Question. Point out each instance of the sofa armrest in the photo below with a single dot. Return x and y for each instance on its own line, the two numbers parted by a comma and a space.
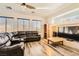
14, 50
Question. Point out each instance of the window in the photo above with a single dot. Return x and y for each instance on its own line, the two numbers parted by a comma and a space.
2, 24
6, 24
14, 25
23, 24
36, 25
39, 26
20, 25
66, 30
61, 29
26, 25
10, 24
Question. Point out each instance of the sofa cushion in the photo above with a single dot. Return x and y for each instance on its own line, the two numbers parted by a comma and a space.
4, 40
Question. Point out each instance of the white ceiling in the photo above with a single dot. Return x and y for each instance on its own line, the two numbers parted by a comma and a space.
42, 9
45, 5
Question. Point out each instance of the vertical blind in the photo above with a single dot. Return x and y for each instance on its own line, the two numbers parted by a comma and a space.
23, 24
2, 24
36, 25
9, 24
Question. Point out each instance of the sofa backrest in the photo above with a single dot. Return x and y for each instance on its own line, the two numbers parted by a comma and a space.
31, 33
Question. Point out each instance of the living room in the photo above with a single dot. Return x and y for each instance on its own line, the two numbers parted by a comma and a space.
29, 27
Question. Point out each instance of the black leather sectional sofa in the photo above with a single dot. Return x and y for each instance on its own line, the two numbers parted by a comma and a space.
73, 37
6, 48
28, 36
11, 42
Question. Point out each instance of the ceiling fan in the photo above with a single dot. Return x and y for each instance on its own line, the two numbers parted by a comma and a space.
28, 6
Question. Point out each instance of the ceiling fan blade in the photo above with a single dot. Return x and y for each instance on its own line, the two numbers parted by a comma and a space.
31, 7
23, 4
28, 6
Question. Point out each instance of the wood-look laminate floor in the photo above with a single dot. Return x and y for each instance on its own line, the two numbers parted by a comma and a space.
41, 49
